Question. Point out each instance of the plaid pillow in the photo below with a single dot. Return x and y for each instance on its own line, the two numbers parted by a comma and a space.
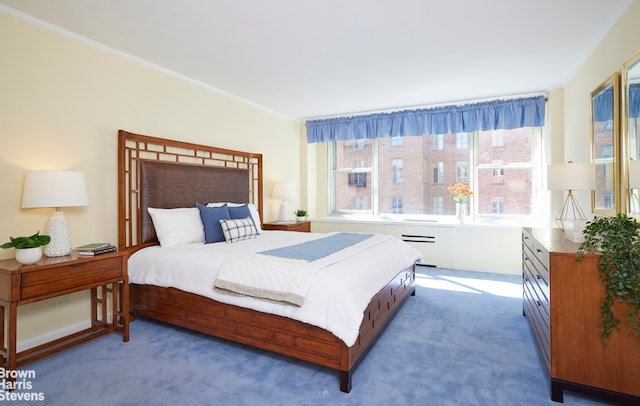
238, 229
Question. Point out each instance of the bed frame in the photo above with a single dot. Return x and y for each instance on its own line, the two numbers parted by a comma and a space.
156, 172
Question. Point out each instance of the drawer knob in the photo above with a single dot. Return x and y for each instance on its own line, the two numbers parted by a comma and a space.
77, 264
538, 303
538, 276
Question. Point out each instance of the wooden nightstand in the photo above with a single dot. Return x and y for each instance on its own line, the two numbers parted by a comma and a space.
105, 275
302, 226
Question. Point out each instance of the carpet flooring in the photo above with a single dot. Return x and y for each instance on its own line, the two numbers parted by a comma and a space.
462, 340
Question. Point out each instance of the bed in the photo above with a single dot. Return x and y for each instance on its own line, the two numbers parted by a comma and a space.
166, 174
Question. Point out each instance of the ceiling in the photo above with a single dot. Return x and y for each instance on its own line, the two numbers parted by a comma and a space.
312, 59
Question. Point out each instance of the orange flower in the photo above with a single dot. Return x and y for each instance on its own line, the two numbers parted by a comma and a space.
460, 192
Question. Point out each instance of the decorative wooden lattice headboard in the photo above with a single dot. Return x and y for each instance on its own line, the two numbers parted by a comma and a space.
157, 172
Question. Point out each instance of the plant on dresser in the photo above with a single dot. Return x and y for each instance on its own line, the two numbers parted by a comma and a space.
617, 240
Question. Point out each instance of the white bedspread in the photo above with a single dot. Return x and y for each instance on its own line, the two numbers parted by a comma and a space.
337, 297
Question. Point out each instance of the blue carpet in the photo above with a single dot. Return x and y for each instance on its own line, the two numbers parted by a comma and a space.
462, 340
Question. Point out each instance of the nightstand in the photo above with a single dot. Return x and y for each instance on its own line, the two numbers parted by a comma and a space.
105, 275
301, 226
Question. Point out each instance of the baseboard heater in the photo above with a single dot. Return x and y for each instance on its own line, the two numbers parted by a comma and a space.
427, 239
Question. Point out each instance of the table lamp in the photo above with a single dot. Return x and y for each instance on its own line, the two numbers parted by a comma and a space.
284, 191
55, 189
570, 176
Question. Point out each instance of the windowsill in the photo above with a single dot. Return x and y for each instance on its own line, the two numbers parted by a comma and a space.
445, 221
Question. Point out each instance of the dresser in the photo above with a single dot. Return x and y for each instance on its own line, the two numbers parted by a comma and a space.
561, 300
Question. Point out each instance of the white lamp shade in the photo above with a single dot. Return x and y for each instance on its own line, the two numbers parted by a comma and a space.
284, 190
54, 189
571, 176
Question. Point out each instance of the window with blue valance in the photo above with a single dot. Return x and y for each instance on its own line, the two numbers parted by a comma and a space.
492, 115
603, 105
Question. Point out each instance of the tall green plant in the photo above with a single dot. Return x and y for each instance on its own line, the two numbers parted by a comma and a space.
617, 240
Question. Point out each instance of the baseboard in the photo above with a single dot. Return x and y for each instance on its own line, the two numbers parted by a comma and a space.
54, 335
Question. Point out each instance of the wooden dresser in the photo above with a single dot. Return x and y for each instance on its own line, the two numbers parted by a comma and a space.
562, 300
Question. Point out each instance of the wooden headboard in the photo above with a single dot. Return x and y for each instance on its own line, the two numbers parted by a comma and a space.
162, 173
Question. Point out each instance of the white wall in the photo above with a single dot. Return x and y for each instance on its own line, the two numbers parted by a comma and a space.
61, 106
617, 46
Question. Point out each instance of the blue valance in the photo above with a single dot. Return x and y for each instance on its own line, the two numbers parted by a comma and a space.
603, 105
497, 114
634, 100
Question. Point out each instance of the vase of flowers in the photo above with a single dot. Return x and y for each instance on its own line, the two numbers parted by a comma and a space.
460, 194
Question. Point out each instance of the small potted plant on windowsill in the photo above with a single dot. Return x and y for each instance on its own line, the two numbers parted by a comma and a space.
28, 249
301, 215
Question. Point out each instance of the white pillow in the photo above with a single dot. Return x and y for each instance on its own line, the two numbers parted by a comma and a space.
252, 209
238, 229
177, 226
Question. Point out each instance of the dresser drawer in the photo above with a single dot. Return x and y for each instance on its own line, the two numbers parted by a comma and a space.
538, 257
539, 321
74, 276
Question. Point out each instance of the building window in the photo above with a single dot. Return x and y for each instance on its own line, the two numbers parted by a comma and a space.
498, 175
438, 173
358, 203
438, 142
497, 138
462, 171
396, 141
462, 140
397, 172
358, 145
438, 205
396, 205
497, 205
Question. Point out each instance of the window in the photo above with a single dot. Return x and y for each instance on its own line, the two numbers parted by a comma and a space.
497, 138
358, 203
498, 175
358, 179
462, 172
396, 205
397, 173
438, 173
396, 141
438, 205
504, 180
497, 205
462, 140
358, 145
438, 142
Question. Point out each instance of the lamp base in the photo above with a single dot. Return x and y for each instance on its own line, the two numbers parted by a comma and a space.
570, 212
58, 230
284, 212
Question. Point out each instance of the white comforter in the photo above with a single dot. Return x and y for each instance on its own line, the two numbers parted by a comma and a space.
335, 301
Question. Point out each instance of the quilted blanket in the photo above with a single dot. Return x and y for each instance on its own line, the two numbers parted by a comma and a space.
285, 274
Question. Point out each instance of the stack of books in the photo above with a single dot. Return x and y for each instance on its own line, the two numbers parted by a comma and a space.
97, 248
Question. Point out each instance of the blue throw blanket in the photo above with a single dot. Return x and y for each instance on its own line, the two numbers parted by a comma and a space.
312, 250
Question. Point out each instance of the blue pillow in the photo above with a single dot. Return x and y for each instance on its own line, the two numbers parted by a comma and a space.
241, 212
211, 217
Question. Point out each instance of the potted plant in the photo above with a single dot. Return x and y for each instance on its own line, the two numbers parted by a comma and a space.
28, 249
617, 240
301, 215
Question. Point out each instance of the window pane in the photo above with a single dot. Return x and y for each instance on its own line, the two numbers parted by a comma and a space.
401, 175
353, 191
513, 193
508, 147
347, 155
